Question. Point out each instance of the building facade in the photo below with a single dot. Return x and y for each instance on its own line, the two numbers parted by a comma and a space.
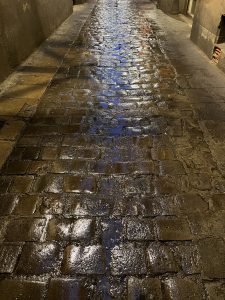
24, 25
208, 29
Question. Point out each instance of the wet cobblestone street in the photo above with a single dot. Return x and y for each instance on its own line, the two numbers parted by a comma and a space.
112, 191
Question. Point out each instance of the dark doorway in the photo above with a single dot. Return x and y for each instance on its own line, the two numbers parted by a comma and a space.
2, 123
221, 33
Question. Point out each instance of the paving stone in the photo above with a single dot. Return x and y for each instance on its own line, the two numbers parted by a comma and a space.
78, 166
51, 141
112, 235
17, 154
3, 225
24, 229
191, 203
38, 167
147, 167
48, 183
78, 184
26, 205
90, 206
171, 168
52, 204
10, 132
147, 288
68, 166
7, 203
167, 186
88, 153
82, 229
38, 259
29, 141
176, 229
60, 167
201, 181
144, 141
24, 91
218, 202
207, 224
21, 184
111, 287
49, 153
128, 260
64, 289
182, 289
159, 206
212, 253
5, 182
59, 229
215, 290
8, 257
129, 206
16, 167
22, 289
140, 229
68, 153
31, 153
189, 257
161, 259
84, 260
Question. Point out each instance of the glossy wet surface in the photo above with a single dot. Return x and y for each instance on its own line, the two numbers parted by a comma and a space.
112, 191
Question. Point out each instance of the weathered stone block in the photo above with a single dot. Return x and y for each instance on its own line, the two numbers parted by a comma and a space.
139, 229
212, 251
147, 288
8, 257
78, 184
63, 289
176, 229
38, 259
22, 289
84, 260
127, 259
24, 229
162, 259
183, 289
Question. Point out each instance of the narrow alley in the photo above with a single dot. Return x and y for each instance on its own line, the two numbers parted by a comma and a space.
112, 190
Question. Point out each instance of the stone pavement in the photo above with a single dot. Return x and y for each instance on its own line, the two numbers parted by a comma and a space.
112, 191
21, 92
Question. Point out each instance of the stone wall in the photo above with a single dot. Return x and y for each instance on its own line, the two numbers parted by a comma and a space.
24, 24
205, 25
173, 6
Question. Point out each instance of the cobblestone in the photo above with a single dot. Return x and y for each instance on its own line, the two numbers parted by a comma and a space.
147, 288
173, 229
38, 258
114, 190
22, 289
84, 260
8, 257
24, 229
61, 288
162, 259
127, 260
177, 288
